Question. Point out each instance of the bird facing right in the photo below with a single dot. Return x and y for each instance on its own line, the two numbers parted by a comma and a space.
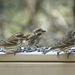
65, 43
34, 37
11, 44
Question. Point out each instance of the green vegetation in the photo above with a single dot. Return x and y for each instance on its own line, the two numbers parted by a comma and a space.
56, 16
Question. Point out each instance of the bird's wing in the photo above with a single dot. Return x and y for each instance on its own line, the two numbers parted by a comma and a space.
7, 43
32, 36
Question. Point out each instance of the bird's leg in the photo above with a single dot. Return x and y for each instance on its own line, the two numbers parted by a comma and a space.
58, 53
68, 54
15, 53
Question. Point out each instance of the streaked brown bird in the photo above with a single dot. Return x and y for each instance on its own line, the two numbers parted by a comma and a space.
64, 44
11, 44
34, 37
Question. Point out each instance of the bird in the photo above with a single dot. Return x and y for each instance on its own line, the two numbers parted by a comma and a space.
11, 44
65, 43
34, 37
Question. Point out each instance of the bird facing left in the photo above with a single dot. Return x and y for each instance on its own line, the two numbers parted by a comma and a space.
11, 44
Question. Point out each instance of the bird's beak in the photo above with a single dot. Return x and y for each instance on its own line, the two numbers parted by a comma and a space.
43, 30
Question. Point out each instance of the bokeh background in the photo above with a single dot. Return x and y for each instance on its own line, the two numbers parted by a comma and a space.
55, 16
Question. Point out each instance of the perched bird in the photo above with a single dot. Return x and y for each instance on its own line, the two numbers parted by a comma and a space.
11, 44
34, 37
65, 43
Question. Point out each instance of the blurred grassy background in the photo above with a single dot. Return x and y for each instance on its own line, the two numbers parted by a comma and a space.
55, 16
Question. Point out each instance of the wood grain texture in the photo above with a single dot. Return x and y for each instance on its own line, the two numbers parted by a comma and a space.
36, 57
37, 68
